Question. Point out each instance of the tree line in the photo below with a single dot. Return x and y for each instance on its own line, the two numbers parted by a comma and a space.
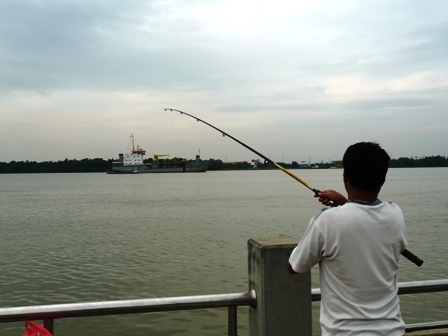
65, 166
101, 165
427, 161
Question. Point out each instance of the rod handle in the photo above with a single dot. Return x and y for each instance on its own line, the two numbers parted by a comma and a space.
412, 257
333, 203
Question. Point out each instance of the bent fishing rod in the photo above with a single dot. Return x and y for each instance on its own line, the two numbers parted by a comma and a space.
407, 254
266, 159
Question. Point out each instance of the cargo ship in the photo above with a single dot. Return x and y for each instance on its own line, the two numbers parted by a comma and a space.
133, 163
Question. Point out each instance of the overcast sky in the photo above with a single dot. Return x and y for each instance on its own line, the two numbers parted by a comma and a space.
295, 80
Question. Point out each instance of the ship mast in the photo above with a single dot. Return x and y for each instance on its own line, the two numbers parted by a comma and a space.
132, 137
138, 149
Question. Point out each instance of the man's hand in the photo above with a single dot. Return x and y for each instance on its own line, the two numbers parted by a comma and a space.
328, 196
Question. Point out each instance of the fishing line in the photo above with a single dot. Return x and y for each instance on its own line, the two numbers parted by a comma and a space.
407, 254
177, 138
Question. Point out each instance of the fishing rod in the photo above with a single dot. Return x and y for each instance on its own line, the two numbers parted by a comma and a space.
266, 159
407, 254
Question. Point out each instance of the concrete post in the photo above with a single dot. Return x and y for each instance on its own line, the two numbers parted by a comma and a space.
283, 300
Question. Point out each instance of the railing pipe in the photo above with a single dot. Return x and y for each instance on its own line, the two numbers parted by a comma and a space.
428, 286
232, 321
426, 326
44, 312
49, 325
412, 287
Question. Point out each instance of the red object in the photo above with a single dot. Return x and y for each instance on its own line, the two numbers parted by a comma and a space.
35, 329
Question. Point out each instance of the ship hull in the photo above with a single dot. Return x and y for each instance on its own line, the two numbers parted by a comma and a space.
127, 171
142, 169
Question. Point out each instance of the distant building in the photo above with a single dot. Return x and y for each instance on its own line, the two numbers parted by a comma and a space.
338, 164
304, 164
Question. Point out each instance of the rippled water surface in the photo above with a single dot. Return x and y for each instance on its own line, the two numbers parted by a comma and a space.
68, 238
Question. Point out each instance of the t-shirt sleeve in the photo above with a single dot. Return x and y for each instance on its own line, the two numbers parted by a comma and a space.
309, 250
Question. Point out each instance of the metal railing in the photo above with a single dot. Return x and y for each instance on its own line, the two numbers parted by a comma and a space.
48, 313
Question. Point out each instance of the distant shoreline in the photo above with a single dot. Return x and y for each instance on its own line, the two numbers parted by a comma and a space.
100, 165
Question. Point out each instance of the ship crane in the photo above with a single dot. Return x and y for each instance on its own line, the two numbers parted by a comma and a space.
156, 157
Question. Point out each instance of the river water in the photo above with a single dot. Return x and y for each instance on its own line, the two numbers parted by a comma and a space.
68, 238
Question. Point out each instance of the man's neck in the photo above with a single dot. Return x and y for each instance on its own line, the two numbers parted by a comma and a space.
361, 195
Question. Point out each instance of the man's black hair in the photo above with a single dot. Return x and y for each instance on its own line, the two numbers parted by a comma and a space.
366, 165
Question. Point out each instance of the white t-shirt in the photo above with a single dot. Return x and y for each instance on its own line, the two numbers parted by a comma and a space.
357, 248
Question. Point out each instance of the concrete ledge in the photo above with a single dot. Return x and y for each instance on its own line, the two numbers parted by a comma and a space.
283, 300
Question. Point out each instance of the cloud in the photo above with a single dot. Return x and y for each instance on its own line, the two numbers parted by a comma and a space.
77, 77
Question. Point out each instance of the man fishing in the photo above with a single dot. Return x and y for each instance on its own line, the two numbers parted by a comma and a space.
327, 201
357, 246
